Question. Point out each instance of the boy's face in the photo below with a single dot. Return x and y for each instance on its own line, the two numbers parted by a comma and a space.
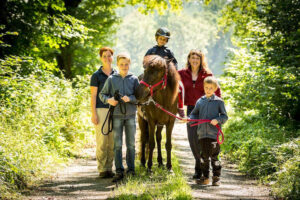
106, 58
123, 65
209, 89
161, 40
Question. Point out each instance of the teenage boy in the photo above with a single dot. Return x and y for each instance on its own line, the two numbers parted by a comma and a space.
209, 107
123, 84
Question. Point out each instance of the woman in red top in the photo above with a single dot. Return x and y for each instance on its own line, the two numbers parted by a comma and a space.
192, 77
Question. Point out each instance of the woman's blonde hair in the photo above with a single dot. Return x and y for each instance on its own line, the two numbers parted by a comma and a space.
203, 64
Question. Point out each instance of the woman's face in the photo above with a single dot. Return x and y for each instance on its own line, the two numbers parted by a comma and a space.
106, 58
195, 61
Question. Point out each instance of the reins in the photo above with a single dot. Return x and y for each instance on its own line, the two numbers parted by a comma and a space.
197, 121
163, 81
110, 112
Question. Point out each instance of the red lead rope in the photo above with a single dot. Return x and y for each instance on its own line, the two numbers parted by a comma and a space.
198, 121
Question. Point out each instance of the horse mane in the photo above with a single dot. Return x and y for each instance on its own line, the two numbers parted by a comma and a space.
173, 77
173, 80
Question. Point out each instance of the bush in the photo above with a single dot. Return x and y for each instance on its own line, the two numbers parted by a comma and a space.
44, 120
286, 180
265, 150
253, 84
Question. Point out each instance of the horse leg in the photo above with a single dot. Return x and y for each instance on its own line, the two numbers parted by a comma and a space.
151, 144
169, 129
143, 124
158, 142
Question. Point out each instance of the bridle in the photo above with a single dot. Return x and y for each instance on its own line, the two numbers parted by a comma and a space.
162, 82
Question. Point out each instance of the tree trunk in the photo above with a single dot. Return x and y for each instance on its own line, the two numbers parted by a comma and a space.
65, 60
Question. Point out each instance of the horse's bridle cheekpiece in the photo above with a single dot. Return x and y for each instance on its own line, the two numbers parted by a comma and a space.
163, 81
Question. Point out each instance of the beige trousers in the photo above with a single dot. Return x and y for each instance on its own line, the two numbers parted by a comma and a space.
105, 143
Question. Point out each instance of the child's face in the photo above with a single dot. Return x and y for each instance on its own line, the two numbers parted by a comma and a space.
106, 58
161, 40
209, 89
123, 65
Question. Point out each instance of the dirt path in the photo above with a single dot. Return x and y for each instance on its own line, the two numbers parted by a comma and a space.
77, 181
233, 184
80, 180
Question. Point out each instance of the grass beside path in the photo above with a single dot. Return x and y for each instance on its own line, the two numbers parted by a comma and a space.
161, 184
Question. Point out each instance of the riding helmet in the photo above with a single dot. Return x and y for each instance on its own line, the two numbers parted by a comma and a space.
163, 32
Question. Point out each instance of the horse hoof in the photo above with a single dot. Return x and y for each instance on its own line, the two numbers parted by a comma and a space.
149, 171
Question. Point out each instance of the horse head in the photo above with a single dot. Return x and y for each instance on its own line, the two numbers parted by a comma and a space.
153, 79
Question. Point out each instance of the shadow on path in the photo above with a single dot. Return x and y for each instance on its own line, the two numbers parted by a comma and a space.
77, 181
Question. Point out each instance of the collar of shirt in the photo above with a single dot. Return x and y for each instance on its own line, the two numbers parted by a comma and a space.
112, 70
210, 98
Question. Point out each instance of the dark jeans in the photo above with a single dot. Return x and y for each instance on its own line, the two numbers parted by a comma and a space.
210, 149
194, 142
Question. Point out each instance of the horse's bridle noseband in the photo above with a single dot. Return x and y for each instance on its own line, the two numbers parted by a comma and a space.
163, 81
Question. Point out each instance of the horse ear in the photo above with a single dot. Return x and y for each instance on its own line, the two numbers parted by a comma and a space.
140, 77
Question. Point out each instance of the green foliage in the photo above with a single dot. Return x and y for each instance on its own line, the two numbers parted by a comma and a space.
66, 34
136, 34
272, 27
146, 6
262, 83
252, 84
266, 67
288, 184
43, 122
265, 150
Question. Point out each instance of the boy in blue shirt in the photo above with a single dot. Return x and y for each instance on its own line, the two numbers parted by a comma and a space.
124, 113
209, 107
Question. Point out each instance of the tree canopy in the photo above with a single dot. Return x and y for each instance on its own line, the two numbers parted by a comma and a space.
64, 34
264, 72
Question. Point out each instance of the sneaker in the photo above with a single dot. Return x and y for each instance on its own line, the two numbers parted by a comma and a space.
196, 175
119, 176
181, 112
109, 174
216, 181
203, 181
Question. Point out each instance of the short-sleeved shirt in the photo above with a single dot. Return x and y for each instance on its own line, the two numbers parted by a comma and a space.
97, 80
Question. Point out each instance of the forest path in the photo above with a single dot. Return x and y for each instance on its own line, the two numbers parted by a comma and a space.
80, 180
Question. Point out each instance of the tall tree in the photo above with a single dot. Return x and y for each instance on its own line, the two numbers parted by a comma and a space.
265, 72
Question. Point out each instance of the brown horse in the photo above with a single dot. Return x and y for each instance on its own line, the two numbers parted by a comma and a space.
160, 82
